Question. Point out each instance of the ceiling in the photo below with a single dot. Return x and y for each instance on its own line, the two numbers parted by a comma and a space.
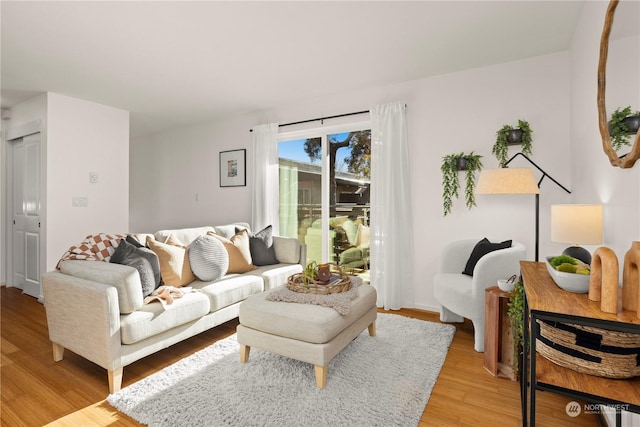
176, 63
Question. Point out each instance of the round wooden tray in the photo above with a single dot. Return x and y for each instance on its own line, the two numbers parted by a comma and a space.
339, 282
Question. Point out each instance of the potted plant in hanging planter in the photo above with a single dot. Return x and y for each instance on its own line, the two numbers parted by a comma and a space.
623, 123
509, 135
451, 165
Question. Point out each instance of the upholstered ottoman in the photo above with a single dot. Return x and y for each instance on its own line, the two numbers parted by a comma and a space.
305, 332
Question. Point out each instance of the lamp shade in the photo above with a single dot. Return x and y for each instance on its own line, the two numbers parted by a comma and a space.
576, 224
507, 181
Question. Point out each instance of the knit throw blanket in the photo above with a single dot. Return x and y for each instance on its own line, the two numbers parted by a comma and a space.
96, 247
340, 302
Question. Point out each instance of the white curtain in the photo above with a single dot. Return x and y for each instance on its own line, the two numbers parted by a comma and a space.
391, 219
264, 206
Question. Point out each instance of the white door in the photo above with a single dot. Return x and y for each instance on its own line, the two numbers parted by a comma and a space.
25, 189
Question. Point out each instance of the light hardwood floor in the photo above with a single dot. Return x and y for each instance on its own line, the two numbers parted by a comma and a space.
37, 391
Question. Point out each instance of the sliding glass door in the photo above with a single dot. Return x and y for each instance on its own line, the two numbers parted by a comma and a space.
325, 182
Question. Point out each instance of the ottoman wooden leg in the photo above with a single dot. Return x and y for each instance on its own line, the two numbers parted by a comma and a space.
244, 353
372, 329
321, 375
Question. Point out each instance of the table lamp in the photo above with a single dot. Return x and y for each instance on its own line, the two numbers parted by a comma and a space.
577, 224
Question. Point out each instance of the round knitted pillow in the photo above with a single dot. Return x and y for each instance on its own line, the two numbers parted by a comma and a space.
209, 258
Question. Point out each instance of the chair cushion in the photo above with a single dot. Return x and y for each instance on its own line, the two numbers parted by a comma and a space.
482, 248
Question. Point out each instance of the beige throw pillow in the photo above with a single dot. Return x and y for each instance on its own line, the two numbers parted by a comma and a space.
238, 249
174, 261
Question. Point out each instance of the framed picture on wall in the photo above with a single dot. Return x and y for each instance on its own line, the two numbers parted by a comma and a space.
233, 172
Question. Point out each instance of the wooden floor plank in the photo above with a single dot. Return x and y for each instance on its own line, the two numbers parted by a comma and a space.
37, 391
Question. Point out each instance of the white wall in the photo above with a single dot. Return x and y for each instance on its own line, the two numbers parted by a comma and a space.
169, 169
85, 137
446, 114
617, 189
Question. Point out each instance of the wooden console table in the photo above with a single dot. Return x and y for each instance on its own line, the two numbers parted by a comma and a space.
544, 300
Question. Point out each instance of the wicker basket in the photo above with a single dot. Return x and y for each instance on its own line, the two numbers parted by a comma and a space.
590, 350
340, 282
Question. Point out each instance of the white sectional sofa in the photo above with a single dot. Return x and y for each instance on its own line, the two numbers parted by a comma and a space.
95, 309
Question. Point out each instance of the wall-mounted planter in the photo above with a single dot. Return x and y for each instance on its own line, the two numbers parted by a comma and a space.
514, 137
451, 165
623, 123
510, 135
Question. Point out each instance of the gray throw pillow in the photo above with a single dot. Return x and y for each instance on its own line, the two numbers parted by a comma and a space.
209, 258
142, 259
261, 247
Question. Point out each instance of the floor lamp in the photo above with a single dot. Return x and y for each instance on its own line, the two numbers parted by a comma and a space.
515, 181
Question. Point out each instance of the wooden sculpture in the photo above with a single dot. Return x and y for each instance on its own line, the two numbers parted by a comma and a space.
631, 279
603, 284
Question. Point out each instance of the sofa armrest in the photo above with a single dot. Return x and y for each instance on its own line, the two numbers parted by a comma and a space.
289, 250
124, 278
83, 316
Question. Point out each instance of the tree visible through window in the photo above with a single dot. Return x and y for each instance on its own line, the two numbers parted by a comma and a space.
348, 180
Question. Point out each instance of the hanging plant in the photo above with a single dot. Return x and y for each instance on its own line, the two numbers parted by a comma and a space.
516, 315
451, 165
622, 124
509, 135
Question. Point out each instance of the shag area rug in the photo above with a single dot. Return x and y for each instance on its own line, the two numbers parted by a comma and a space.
384, 380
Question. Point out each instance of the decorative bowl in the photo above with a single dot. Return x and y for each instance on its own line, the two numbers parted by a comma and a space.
572, 282
505, 285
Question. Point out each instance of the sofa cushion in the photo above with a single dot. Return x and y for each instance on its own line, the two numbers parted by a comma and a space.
482, 248
152, 319
184, 235
229, 230
175, 268
208, 258
125, 279
238, 250
142, 259
230, 289
277, 274
261, 247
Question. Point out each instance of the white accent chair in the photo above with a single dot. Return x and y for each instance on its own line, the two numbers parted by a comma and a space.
462, 296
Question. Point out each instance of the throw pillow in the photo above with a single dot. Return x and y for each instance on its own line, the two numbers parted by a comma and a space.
132, 240
142, 259
175, 268
238, 251
209, 258
261, 247
482, 248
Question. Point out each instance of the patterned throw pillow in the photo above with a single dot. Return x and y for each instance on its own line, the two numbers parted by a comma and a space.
209, 258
